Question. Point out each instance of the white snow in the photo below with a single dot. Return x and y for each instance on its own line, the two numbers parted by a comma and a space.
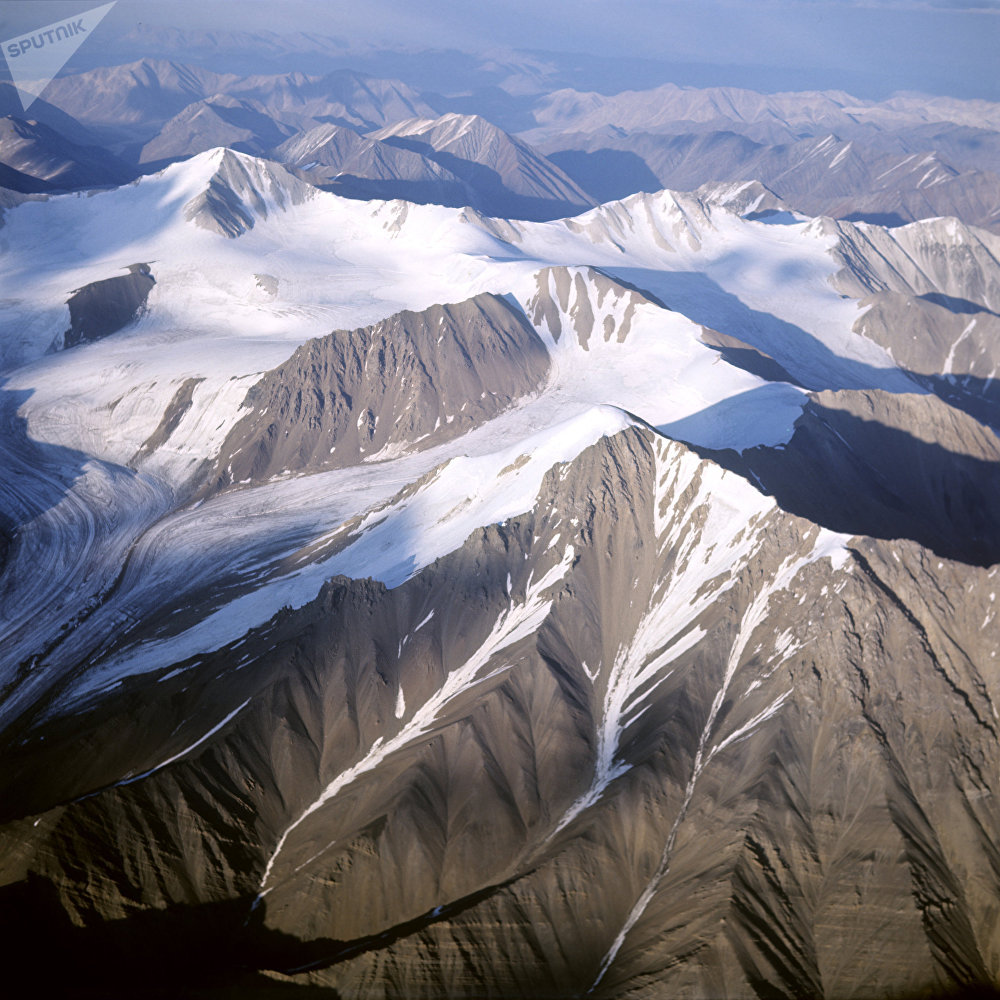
950, 360
841, 156
708, 745
342, 264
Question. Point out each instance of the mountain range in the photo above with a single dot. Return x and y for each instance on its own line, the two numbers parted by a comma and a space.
523, 152
495, 525
399, 600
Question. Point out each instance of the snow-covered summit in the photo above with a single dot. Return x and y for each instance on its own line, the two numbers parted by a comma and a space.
237, 189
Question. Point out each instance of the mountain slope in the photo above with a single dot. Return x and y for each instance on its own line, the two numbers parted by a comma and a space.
130, 104
342, 97
667, 667
711, 715
141, 93
660, 109
826, 153
343, 161
510, 177
203, 125
822, 175
40, 154
241, 190
426, 377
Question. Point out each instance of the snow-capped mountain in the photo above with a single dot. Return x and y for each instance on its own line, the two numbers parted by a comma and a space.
825, 153
516, 180
357, 165
455, 160
452, 605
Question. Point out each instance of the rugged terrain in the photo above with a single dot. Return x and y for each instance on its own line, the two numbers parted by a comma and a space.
398, 601
520, 146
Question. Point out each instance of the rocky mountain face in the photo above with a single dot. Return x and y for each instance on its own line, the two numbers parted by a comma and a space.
241, 190
822, 175
825, 153
508, 776
37, 158
118, 98
606, 607
866, 458
454, 160
219, 121
338, 159
660, 109
105, 307
46, 113
363, 395
142, 97
513, 179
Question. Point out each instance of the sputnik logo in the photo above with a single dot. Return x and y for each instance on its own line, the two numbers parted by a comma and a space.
35, 58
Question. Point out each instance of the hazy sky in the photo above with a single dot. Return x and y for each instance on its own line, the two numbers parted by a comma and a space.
938, 46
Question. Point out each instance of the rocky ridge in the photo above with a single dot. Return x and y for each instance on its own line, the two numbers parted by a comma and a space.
460, 676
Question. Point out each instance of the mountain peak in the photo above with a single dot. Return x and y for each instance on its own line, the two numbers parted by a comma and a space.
746, 199
440, 131
237, 189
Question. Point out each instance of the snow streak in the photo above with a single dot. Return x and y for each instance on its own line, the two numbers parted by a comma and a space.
752, 618
515, 623
667, 629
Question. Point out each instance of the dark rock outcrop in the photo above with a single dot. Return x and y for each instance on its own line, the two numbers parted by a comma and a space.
104, 307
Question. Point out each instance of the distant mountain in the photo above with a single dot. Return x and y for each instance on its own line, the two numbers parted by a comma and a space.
453, 160
344, 161
46, 113
872, 174
823, 152
50, 161
511, 177
662, 109
973, 197
133, 102
343, 97
218, 121
821, 176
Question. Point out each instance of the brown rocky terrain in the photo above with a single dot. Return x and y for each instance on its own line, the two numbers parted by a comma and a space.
656, 738
411, 381
413, 661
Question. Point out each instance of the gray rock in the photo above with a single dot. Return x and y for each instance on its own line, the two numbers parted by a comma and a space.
409, 382
796, 798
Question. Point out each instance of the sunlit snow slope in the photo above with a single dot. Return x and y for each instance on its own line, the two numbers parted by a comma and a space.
356, 503
249, 263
